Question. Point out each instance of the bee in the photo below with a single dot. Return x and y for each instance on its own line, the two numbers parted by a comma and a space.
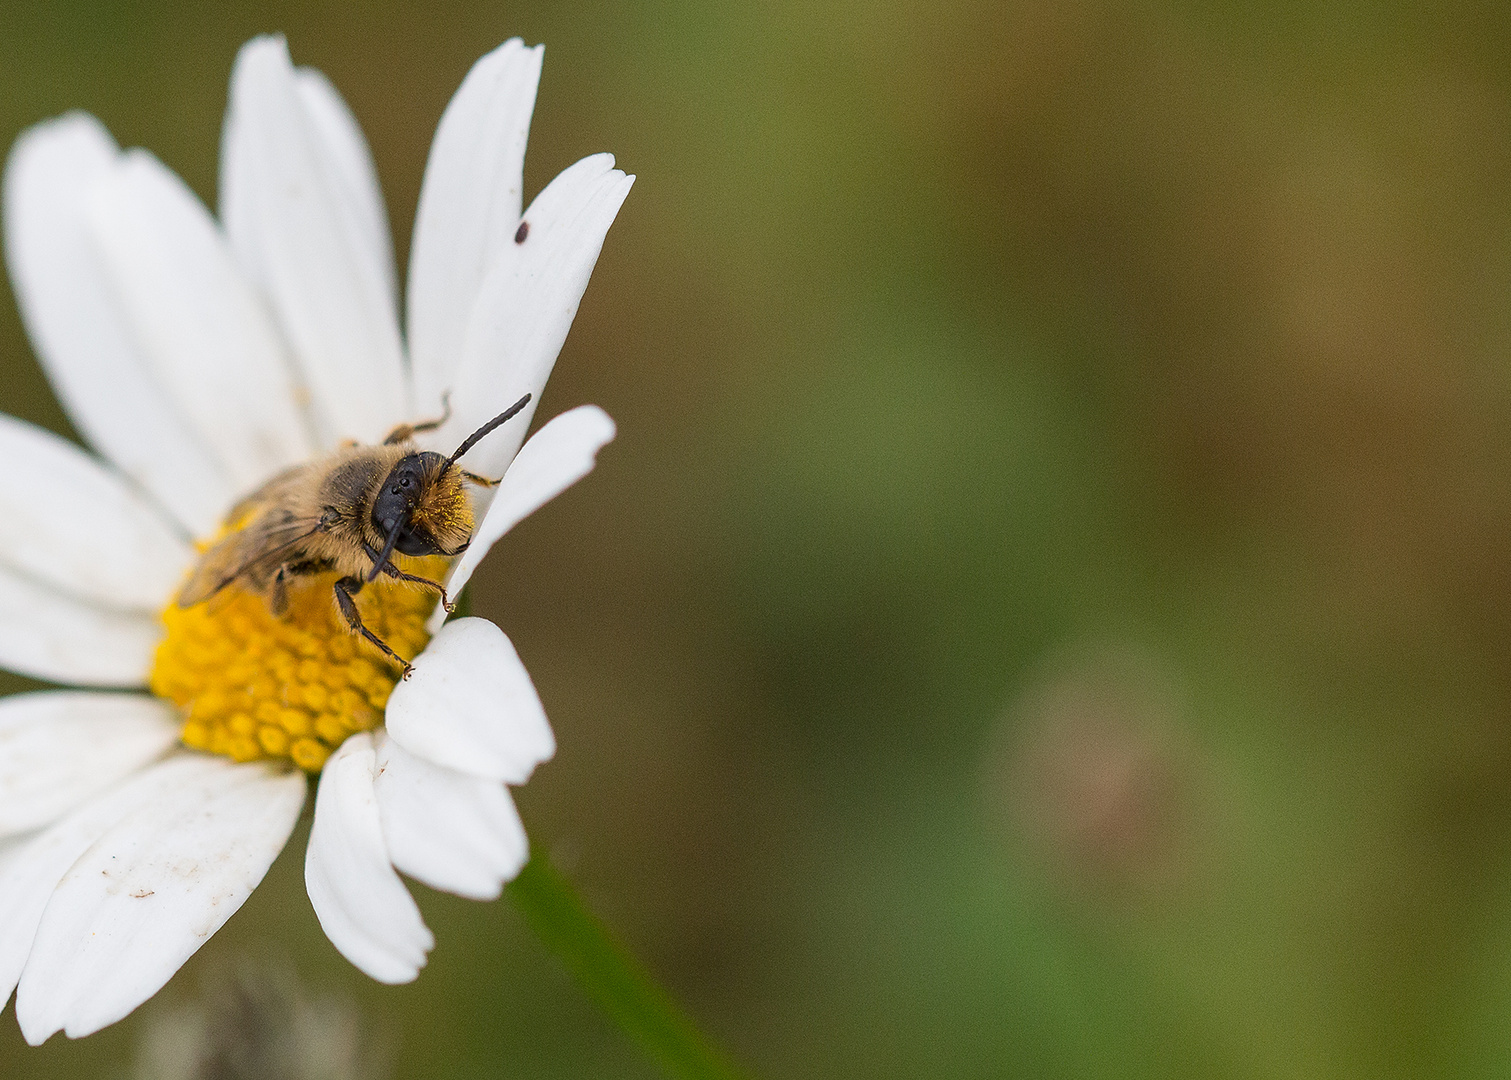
348, 513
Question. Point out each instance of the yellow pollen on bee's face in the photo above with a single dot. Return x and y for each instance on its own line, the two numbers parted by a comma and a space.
253, 686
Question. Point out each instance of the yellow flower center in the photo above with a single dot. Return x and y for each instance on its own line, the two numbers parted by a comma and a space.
252, 685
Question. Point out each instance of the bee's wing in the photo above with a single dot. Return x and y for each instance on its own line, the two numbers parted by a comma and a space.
259, 543
269, 494
262, 531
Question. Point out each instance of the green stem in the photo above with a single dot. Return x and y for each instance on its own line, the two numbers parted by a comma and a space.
614, 978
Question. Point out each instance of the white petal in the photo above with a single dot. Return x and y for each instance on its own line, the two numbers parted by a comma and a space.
28, 877
236, 203
469, 209
354, 172
362, 905
294, 224
10, 854
77, 331
470, 706
61, 747
49, 635
452, 831
556, 457
206, 336
525, 307
68, 521
149, 892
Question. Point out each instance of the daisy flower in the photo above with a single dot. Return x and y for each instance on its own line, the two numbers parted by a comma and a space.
198, 358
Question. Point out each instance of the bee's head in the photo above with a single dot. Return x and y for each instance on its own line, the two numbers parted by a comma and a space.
421, 508
422, 505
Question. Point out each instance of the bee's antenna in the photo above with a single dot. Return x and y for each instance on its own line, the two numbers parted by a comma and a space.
472, 440
388, 546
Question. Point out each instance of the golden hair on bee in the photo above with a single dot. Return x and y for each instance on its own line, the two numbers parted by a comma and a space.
348, 513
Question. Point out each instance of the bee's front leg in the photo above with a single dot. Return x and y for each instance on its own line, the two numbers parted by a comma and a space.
388, 569
481, 481
346, 589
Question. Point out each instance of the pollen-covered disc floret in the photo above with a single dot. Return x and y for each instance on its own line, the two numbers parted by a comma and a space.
253, 685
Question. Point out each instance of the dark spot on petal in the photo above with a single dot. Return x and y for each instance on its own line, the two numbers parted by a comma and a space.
521, 232
142, 894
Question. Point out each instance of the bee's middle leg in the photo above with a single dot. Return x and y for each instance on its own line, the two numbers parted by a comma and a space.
405, 432
346, 589
278, 598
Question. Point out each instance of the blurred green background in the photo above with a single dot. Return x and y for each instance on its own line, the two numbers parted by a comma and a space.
1046, 613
